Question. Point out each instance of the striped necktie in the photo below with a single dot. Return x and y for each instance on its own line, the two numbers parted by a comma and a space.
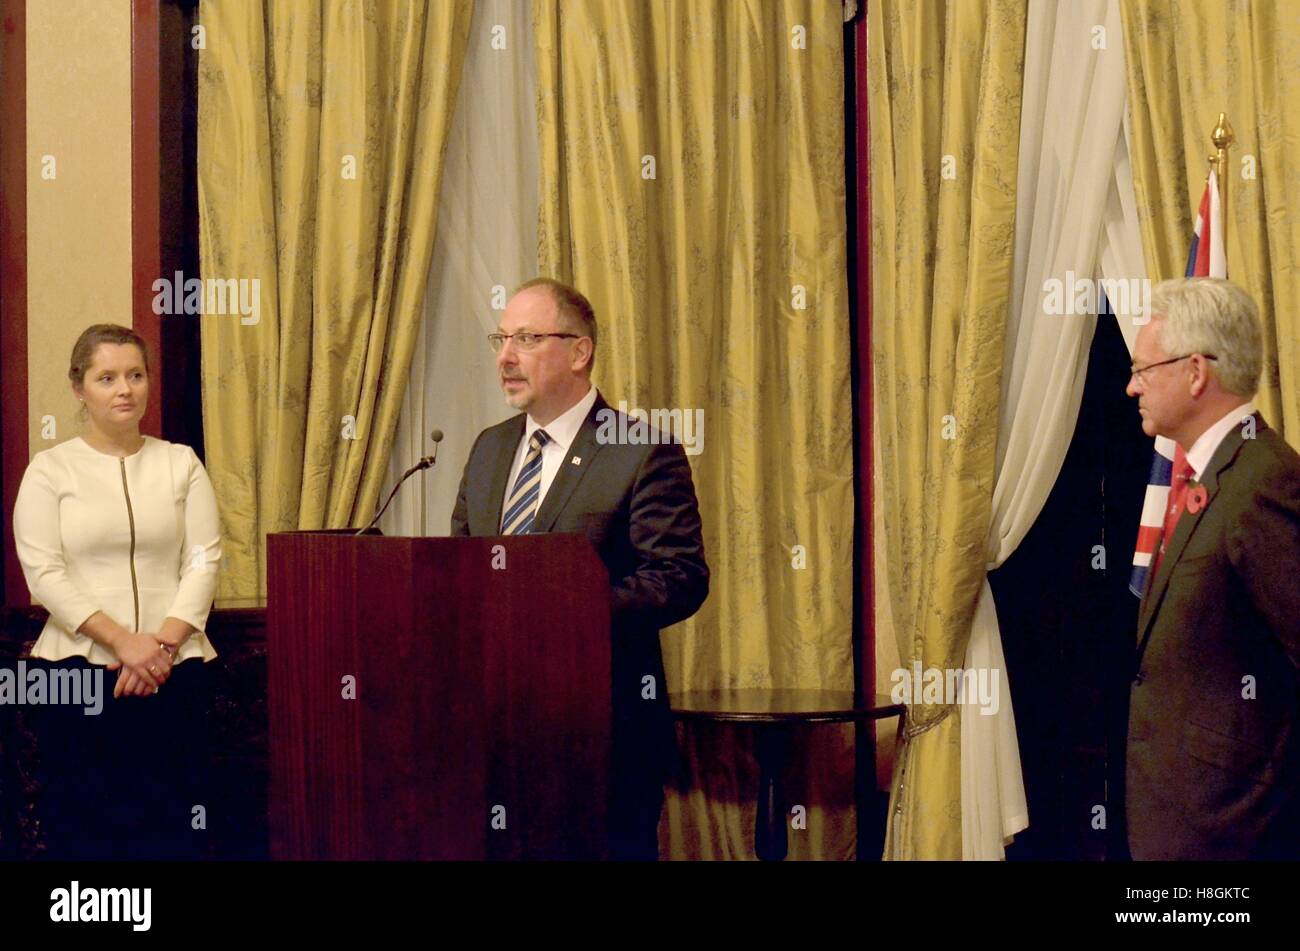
522, 507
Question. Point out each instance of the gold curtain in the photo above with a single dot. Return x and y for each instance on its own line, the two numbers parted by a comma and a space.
692, 185
1187, 62
320, 139
944, 89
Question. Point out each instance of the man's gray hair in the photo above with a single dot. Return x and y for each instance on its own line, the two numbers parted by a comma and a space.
1212, 316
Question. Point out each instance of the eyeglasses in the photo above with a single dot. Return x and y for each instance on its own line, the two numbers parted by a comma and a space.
1138, 371
523, 341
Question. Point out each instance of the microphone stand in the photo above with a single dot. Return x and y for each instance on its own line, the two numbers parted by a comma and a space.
426, 463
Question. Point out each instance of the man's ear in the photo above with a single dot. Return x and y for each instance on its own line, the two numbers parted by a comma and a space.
582, 351
1201, 379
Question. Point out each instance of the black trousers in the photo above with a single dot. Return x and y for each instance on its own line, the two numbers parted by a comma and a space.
641, 758
130, 782
634, 809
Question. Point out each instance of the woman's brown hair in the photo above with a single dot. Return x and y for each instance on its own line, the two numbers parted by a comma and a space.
83, 351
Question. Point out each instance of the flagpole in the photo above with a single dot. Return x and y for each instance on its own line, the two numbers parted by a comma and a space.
1222, 138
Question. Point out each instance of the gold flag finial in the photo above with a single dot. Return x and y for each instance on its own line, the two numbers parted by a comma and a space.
1222, 136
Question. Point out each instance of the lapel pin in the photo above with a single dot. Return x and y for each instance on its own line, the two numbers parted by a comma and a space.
1197, 498
576, 460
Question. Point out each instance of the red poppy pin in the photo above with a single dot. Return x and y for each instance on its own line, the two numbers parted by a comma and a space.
1197, 496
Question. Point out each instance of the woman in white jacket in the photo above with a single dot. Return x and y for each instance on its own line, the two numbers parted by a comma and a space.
119, 539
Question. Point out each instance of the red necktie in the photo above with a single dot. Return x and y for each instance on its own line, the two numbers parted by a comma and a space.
1177, 502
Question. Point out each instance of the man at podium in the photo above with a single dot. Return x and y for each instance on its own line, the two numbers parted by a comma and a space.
556, 468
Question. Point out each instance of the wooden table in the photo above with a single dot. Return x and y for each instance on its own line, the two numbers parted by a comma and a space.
774, 713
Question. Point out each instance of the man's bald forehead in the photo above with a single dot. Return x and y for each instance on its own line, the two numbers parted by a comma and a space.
536, 302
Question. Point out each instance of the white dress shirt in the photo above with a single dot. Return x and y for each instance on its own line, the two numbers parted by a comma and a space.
1202, 451
136, 537
562, 430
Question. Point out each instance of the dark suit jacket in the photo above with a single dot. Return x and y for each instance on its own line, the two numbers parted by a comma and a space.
1212, 774
637, 506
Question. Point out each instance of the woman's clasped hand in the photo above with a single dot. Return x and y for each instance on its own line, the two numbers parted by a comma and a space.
143, 665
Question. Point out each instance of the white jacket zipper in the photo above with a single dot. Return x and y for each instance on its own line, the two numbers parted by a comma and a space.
130, 517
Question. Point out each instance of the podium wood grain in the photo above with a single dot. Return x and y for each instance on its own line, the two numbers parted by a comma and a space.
482, 693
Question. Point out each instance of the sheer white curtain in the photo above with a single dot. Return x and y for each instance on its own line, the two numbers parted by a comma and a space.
486, 244
1121, 246
1075, 212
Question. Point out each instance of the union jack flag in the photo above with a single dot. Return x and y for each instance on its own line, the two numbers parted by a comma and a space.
1207, 258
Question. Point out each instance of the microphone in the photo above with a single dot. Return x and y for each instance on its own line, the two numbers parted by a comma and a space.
426, 463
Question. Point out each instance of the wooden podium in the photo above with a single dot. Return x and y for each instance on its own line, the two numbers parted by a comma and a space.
437, 698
